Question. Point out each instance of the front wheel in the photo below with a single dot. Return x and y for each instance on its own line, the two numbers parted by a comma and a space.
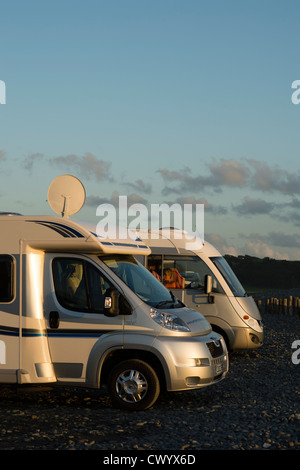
134, 385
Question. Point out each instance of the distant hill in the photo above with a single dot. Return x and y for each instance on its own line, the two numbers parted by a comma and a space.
257, 274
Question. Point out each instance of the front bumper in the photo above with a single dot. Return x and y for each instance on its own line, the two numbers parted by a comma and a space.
193, 362
246, 338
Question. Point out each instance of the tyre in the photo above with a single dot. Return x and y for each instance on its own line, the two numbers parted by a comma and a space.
133, 385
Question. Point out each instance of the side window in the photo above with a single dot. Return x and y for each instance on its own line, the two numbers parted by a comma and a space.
193, 270
181, 272
174, 273
6, 278
79, 285
164, 268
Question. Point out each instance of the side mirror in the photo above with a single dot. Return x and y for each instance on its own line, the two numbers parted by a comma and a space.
208, 288
115, 304
111, 303
208, 284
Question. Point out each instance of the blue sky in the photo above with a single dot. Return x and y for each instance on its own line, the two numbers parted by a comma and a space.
162, 101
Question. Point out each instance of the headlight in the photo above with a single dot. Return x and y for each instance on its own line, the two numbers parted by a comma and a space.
169, 320
253, 323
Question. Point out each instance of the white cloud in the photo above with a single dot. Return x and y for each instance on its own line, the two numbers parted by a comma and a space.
280, 239
269, 245
261, 249
221, 244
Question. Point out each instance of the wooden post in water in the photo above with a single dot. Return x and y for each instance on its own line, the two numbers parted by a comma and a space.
288, 306
285, 306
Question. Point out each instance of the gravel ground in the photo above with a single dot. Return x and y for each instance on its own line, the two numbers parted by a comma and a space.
257, 406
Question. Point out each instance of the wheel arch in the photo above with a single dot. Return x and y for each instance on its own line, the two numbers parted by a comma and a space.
119, 355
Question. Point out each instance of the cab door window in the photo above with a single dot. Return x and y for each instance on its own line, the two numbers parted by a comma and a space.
79, 285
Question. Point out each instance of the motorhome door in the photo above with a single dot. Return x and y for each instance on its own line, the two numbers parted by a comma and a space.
75, 292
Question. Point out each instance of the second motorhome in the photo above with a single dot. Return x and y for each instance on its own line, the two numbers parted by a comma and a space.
202, 279
78, 309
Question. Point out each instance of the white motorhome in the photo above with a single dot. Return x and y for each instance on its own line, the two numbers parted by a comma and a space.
202, 279
80, 310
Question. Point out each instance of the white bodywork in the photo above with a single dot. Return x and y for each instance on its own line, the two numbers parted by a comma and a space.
42, 340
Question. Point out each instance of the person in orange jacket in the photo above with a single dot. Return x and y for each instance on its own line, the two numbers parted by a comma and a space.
173, 279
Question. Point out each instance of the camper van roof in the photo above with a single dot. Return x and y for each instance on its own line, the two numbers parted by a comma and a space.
176, 241
9, 213
126, 242
169, 241
63, 234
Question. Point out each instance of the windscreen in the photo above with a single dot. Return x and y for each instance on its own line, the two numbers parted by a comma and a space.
229, 276
141, 281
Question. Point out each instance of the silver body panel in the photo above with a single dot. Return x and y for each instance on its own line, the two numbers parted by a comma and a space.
76, 350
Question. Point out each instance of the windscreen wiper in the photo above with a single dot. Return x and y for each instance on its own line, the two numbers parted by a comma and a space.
164, 302
174, 301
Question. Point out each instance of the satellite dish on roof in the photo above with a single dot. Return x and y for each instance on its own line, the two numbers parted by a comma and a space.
66, 195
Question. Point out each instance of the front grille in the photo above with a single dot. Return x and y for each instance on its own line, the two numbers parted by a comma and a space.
215, 348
